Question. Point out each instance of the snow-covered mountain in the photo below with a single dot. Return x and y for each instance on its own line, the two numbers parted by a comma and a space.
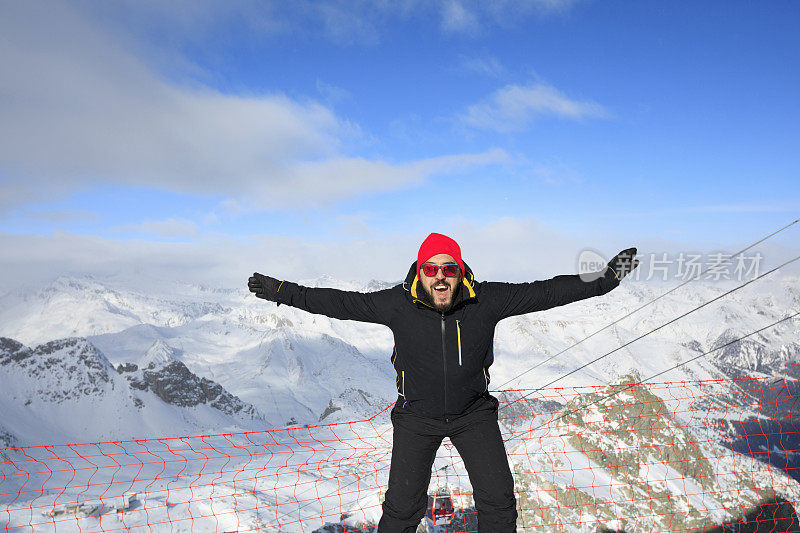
293, 367
66, 390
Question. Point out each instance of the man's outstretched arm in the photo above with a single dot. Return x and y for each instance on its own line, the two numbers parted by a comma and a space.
520, 298
345, 305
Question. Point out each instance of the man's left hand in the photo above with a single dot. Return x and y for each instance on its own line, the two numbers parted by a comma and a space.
263, 286
623, 264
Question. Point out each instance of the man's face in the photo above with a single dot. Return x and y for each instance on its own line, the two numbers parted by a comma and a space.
439, 288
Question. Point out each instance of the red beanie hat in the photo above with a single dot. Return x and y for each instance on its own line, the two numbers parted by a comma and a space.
436, 243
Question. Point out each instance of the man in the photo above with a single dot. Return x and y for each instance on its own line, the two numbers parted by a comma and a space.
443, 323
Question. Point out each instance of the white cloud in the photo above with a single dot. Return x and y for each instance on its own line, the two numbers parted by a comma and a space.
80, 108
456, 18
556, 174
471, 17
506, 249
343, 22
356, 225
346, 22
502, 9
485, 66
219, 260
311, 183
211, 219
514, 107
166, 229
332, 93
705, 209
60, 216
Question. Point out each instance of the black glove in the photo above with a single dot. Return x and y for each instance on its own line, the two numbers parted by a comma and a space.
623, 264
264, 286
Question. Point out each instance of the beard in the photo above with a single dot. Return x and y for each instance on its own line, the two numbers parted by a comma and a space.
427, 297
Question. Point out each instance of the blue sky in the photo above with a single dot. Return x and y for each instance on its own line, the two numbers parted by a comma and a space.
301, 136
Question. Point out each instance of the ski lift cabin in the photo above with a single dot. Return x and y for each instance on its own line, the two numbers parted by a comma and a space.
440, 509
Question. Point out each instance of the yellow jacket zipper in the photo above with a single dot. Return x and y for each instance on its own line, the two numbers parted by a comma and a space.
458, 330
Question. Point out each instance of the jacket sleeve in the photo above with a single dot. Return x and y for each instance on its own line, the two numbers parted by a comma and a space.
376, 307
519, 298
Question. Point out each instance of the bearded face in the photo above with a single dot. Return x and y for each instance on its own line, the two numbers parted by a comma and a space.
440, 291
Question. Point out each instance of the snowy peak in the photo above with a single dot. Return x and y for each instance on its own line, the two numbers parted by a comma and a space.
12, 351
352, 400
160, 354
333, 283
161, 373
756, 355
376, 285
62, 369
82, 307
175, 384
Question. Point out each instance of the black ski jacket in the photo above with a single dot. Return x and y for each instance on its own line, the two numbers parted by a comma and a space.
442, 359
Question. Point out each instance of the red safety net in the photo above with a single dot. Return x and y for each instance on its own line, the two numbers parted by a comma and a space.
677, 456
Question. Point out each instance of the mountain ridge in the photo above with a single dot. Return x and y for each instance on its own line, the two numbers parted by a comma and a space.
67, 390
294, 367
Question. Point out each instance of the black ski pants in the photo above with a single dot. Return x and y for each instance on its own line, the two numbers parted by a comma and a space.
476, 436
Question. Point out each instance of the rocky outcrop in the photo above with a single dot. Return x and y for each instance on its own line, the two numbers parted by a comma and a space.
63, 369
755, 355
620, 453
175, 384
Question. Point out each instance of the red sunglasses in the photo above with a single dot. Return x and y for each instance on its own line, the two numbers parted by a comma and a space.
450, 270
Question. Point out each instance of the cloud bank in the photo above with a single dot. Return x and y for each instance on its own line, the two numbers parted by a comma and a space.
505, 249
80, 108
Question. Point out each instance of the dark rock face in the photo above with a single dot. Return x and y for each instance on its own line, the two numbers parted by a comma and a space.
694, 345
769, 418
12, 351
352, 397
7, 439
127, 367
67, 368
773, 516
516, 408
175, 384
72, 368
329, 411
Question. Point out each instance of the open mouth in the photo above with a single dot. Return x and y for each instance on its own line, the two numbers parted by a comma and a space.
441, 289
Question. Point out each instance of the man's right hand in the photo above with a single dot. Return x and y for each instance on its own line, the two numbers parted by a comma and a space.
263, 286
623, 263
